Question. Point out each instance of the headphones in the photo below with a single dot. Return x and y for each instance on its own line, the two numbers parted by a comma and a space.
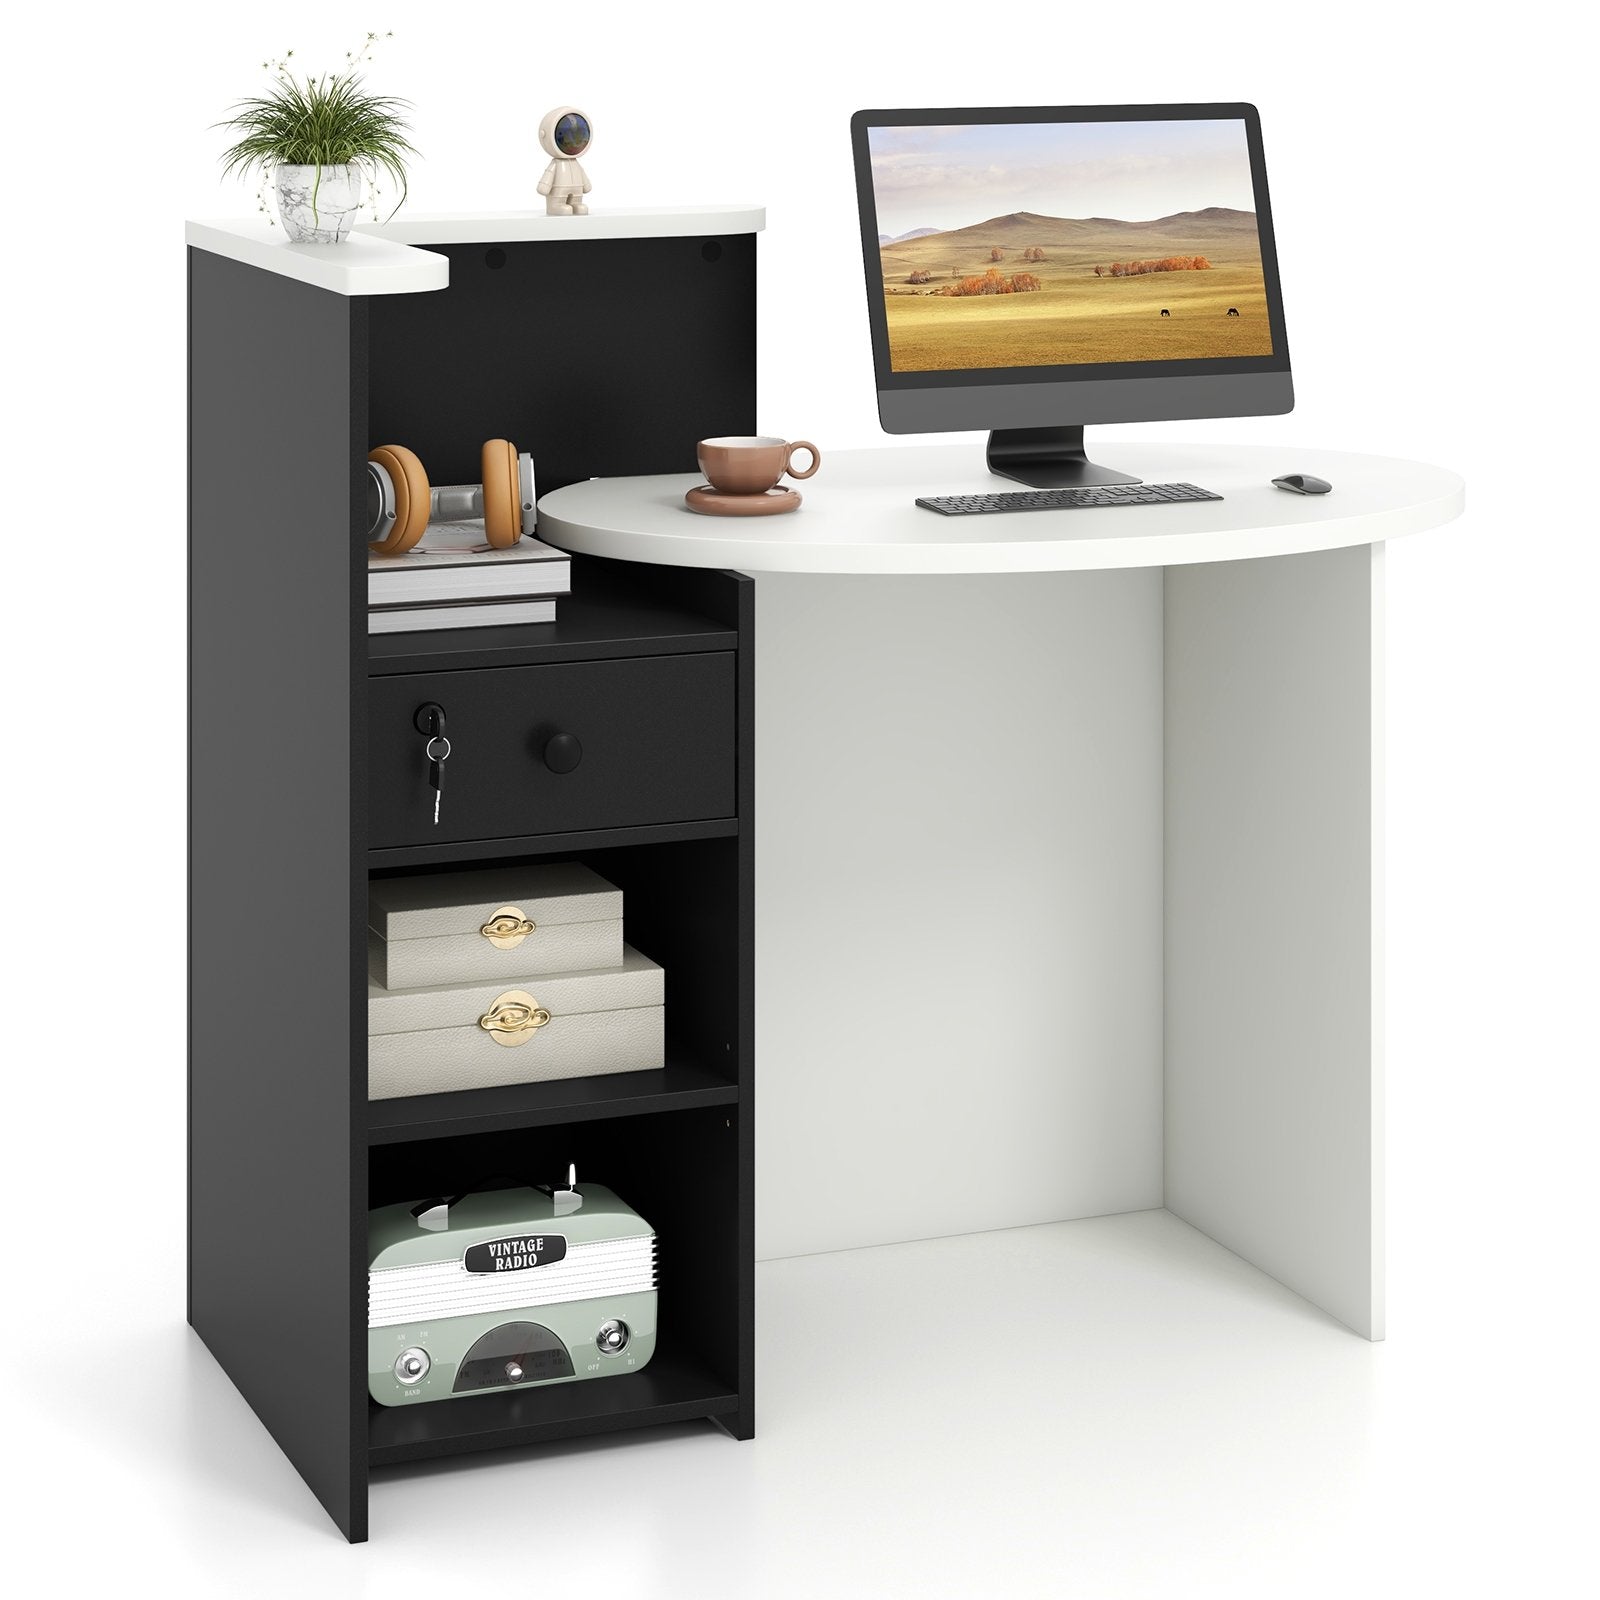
400, 501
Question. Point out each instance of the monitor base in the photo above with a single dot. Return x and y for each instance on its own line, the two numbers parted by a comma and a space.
1047, 458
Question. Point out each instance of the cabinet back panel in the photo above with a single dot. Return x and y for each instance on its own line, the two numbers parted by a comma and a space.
600, 356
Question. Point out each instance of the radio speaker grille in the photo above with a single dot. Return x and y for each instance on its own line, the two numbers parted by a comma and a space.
434, 1289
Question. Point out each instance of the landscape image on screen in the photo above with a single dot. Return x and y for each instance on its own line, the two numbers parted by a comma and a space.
1059, 244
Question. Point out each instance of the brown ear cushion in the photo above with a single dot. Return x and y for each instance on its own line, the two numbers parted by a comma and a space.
502, 493
410, 498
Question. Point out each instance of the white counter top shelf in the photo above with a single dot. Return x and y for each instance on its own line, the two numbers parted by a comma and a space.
389, 258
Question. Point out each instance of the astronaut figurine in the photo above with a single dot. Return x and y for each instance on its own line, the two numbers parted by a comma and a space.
565, 135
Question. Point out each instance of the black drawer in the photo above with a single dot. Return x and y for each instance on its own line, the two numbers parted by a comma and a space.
654, 742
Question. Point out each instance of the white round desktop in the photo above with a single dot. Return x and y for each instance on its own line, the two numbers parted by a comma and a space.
859, 514
1069, 893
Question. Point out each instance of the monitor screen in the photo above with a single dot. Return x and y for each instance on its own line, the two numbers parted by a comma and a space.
1122, 253
1031, 244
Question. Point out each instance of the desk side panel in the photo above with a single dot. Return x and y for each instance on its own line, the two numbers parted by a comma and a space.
1274, 687
277, 871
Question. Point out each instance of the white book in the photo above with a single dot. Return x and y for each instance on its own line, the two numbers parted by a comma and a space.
453, 562
472, 614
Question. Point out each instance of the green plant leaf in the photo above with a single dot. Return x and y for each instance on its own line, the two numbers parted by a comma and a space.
320, 122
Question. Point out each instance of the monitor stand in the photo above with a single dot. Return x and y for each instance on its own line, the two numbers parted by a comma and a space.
1047, 458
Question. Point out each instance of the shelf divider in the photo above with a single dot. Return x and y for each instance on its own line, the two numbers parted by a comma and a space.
681, 1085
674, 1387
504, 852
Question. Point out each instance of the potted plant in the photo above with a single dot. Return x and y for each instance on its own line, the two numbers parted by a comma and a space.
318, 140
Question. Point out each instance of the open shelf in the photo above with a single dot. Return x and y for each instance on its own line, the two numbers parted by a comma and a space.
685, 1174
605, 617
673, 1388
679, 1086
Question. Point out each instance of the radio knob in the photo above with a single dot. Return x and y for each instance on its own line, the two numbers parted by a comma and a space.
412, 1365
612, 1337
513, 1372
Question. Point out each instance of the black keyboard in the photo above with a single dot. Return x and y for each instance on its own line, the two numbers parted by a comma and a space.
1109, 494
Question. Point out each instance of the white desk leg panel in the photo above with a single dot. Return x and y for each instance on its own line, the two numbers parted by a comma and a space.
1274, 1001
958, 930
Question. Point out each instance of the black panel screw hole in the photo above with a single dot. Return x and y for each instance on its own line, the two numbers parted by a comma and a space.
711, 250
494, 259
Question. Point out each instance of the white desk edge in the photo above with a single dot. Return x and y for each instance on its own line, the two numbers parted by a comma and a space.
859, 514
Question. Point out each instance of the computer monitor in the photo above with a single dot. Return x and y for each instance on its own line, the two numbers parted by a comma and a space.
1032, 270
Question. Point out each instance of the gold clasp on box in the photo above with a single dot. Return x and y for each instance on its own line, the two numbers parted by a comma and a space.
512, 1019
507, 928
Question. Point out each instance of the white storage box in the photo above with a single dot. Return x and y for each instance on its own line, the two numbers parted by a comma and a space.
478, 1035
460, 927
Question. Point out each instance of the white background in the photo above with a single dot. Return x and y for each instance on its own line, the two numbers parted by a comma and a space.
1432, 198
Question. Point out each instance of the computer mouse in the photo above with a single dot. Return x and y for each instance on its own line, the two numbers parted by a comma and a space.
1303, 483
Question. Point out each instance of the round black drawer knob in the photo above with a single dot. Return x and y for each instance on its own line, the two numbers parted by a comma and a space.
563, 753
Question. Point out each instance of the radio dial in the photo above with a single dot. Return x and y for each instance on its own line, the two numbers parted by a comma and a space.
612, 1338
411, 1366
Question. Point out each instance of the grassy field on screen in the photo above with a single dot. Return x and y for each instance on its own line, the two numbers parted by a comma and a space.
1075, 315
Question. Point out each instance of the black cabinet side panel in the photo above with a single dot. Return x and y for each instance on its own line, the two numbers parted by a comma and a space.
277, 1155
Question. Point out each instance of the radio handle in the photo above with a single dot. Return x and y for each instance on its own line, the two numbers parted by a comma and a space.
435, 1214
568, 1199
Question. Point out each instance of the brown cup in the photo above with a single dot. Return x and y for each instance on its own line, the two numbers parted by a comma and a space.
751, 463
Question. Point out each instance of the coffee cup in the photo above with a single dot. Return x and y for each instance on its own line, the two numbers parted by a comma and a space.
752, 463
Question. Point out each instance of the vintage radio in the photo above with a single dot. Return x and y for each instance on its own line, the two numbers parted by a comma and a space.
504, 1288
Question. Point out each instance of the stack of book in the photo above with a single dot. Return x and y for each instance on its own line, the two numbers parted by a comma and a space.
454, 580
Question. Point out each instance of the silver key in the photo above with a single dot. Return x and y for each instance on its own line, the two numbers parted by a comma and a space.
437, 752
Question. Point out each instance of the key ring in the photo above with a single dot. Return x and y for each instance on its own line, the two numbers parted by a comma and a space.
427, 749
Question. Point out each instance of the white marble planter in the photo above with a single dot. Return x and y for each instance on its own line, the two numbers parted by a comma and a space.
318, 204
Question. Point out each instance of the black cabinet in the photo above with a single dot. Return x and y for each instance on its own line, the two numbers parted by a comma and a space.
619, 735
